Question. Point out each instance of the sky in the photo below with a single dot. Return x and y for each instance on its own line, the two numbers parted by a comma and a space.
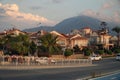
24, 14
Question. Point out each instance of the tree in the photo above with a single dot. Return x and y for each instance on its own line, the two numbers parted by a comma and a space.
103, 24
33, 47
49, 43
3, 42
104, 28
20, 45
117, 30
76, 49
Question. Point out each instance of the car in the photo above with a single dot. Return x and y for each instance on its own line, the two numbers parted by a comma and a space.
52, 61
45, 60
42, 60
118, 57
95, 57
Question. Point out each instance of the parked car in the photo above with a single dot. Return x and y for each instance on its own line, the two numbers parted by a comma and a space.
95, 57
42, 60
118, 57
45, 60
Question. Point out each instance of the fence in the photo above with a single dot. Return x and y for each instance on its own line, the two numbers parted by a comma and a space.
32, 61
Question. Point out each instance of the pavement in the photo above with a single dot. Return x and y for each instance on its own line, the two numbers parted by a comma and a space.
26, 67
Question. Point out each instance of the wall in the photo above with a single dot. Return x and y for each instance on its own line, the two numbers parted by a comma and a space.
76, 56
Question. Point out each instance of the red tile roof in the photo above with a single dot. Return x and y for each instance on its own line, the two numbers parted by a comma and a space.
86, 27
79, 38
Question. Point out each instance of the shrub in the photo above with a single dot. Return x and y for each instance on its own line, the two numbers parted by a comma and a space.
68, 52
117, 50
87, 53
109, 52
100, 52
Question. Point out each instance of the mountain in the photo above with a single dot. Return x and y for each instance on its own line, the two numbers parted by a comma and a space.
77, 22
46, 28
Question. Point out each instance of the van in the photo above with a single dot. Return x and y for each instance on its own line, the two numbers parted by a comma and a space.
118, 56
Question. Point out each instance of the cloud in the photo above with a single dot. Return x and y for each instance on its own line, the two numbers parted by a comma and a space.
94, 14
116, 16
109, 11
57, 1
106, 6
118, 1
102, 17
36, 7
10, 14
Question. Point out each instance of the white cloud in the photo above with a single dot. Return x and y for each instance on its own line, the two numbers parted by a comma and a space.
116, 17
107, 12
106, 6
97, 15
103, 17
57, 1
14, 16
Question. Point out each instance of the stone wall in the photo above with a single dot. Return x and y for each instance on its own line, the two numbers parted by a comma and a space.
1, 53
75, 56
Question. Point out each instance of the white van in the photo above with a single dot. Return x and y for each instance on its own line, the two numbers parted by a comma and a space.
118, 56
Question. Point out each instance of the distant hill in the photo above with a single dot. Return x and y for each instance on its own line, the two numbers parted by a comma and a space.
77, 22
69, 24
46, 28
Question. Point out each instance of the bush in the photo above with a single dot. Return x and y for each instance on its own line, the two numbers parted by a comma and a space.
100, 52
117, 50
68, 52
87, 53
109, 52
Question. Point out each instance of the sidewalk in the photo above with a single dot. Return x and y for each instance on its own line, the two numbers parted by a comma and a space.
27, 67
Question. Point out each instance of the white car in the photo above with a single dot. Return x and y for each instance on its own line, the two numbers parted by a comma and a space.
45, 60
42, 60
95, 57
118, 57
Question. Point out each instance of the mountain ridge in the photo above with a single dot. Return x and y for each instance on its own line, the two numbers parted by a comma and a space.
72, 23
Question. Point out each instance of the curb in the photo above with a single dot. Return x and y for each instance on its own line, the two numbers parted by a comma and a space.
40, 67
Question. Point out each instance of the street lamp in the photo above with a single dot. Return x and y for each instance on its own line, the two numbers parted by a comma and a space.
63, 49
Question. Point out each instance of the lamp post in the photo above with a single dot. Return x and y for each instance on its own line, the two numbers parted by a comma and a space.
63, 49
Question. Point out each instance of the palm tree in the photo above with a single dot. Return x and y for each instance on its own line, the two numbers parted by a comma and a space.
117, 30
104, 30
49, 42
4, 41
103, 24
20, 45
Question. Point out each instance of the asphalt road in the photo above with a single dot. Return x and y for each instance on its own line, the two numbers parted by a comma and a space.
103, 66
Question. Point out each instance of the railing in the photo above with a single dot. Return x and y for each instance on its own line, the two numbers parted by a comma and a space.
31, 61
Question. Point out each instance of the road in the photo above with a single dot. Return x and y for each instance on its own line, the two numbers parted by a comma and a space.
115, 76
71, 73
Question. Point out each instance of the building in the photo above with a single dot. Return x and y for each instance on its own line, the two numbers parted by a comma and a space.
14, 32
78, 40
63, 39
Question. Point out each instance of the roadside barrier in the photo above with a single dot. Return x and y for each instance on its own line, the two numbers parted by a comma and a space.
42, 61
